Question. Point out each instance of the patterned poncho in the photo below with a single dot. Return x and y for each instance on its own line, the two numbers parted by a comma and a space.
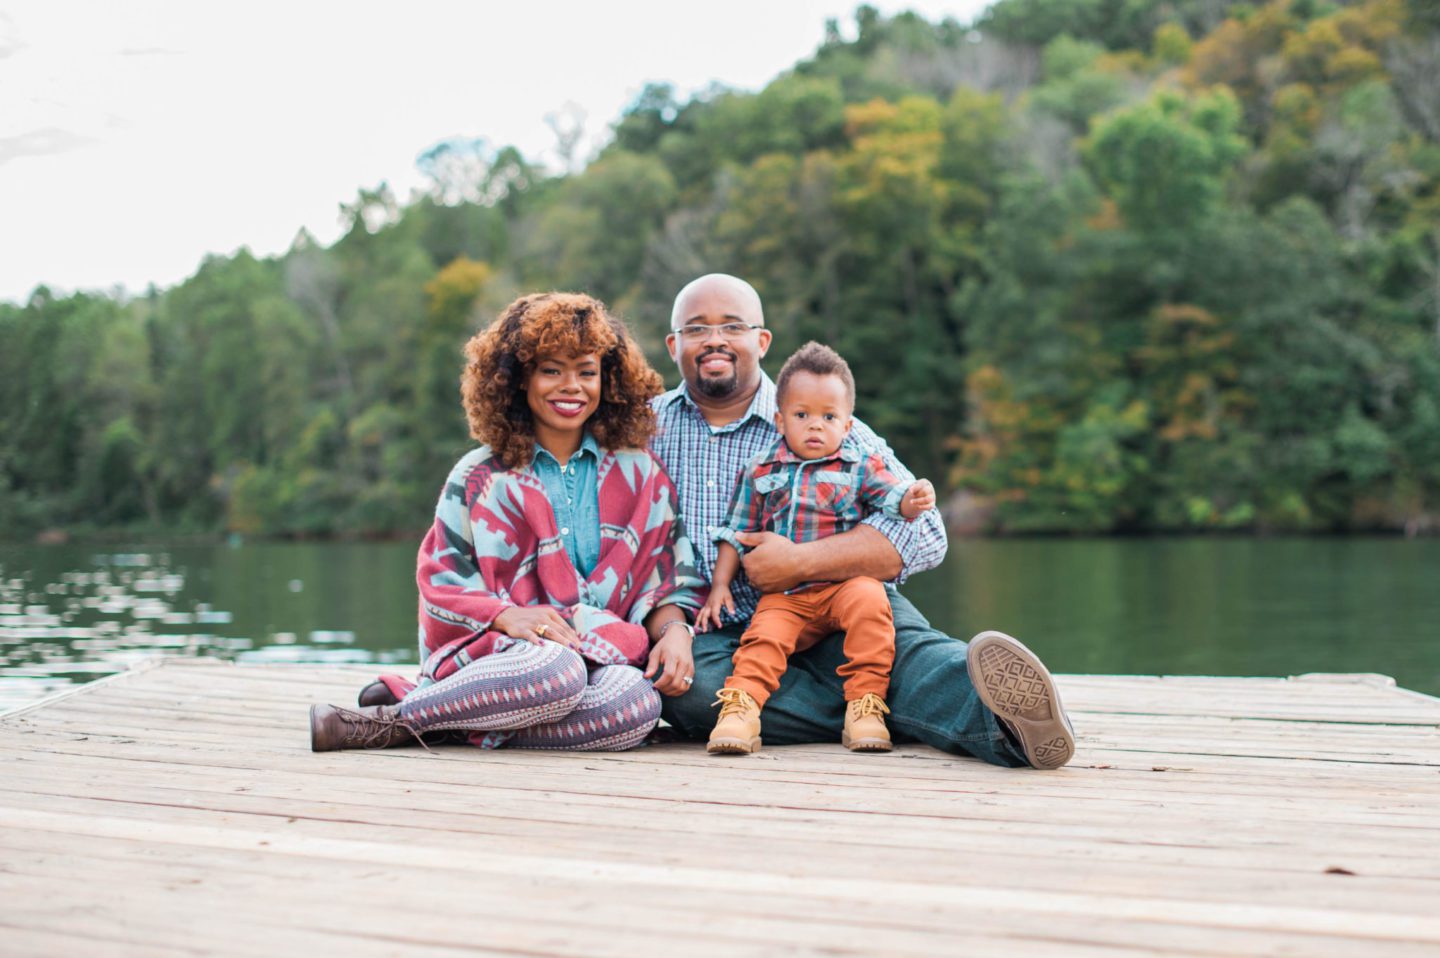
495, 544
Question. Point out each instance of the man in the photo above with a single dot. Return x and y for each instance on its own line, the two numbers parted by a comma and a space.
993, 699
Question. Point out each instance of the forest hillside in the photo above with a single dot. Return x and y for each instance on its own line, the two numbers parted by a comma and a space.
1099, 266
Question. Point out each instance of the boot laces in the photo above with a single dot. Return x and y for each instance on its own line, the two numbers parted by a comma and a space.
733, 702
372, 729
869, 704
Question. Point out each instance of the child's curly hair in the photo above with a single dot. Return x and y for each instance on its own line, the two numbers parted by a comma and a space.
502, 357
818, 360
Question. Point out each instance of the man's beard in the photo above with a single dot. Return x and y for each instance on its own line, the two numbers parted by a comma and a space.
720, 388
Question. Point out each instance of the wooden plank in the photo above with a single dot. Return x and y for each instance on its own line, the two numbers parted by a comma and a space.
1220, 873
1182, 811
191, 789
249, 917
895, 893
88, 688
795, 919
1412, 743
911, 768
1187, 819
21, 940
1175, 825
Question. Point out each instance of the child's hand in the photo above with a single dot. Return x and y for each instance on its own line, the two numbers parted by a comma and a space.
708, 618
919, 497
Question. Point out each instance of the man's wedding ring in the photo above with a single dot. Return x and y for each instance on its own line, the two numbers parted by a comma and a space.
688, 680
540, 630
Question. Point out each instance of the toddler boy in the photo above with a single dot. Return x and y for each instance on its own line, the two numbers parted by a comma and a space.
809, 485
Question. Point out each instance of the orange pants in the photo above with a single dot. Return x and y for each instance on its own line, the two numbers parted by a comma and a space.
784, 624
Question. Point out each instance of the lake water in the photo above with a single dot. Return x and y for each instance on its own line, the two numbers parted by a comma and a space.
1151, 606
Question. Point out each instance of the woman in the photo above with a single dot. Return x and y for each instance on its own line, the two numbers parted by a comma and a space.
556, 566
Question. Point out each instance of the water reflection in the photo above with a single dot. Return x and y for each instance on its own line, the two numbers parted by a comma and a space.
69, 615
1213, 606
1157, 606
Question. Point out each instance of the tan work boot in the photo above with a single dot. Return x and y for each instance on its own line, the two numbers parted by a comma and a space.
865, 729
333, 728
737, 731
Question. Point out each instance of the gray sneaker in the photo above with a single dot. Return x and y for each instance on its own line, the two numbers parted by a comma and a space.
1017, 687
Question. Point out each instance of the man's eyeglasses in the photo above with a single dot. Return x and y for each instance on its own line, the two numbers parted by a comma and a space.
698, 332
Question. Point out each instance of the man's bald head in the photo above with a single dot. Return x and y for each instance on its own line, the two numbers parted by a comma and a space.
732, 287
719, 353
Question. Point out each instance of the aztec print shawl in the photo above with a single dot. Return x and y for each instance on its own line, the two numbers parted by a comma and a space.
495, 544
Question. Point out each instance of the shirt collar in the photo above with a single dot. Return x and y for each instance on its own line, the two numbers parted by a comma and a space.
781, 452
762, 405
588, 445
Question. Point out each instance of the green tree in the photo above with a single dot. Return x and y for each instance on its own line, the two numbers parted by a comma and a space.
1164, 161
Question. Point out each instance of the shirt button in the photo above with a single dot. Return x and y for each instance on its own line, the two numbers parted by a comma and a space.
714, 438
709, 482
564, 532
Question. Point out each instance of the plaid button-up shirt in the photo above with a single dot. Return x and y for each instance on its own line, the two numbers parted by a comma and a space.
808, 499
705, 463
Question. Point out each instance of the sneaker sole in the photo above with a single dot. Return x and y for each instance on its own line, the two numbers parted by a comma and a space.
866, 744
1017, 687
733, 746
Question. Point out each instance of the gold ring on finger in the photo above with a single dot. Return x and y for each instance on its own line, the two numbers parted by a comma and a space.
540, 630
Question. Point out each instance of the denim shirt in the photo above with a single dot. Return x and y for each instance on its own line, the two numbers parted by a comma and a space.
574, 494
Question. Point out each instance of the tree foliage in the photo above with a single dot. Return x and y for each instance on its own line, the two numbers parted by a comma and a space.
1106, 265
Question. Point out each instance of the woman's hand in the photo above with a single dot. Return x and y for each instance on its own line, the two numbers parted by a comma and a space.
536, 623
709, 616
671, 660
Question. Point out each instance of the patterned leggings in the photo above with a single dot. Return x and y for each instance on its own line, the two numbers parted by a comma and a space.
539, 696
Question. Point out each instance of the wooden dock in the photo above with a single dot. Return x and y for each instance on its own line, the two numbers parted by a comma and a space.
178, 810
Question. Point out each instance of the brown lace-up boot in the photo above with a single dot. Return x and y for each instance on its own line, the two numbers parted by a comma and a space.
737, 731
377, 693
333, 728
865, 729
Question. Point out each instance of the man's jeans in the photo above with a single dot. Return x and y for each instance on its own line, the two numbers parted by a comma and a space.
931, 698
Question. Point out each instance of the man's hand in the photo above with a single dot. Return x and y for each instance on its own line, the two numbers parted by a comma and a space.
672, 662
919, 497
536, 623
772, 562
709, 615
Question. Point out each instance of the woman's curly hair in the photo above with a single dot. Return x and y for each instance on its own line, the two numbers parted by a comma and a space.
501, 358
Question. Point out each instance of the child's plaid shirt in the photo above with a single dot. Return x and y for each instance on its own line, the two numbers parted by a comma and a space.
809, 499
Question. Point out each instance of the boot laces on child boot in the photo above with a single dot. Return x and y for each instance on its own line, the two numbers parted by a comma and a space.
865, 729
737, 730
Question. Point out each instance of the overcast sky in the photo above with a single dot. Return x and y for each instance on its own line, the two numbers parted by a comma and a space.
136, 137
